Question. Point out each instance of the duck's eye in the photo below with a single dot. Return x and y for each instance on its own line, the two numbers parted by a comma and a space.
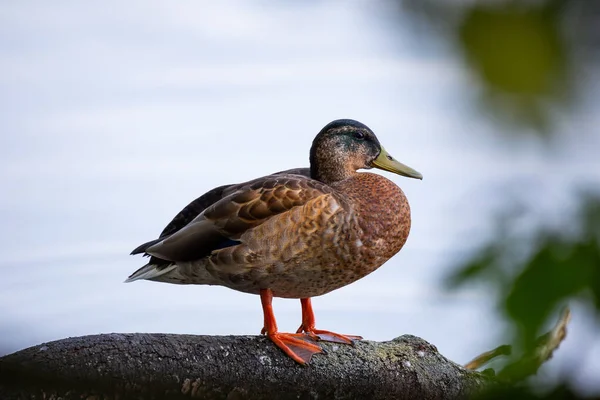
359, 135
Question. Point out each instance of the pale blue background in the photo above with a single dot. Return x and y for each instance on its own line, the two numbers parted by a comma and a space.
113, 115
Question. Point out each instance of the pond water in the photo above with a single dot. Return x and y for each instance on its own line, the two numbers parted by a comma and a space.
115, 116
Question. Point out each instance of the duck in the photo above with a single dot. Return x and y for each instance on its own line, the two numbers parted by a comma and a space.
298, 233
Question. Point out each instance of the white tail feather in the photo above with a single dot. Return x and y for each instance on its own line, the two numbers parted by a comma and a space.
149, 271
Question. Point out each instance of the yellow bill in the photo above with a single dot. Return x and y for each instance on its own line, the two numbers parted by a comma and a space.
387, 163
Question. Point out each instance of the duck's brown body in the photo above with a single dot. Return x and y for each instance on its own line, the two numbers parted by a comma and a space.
297, 234
286, 252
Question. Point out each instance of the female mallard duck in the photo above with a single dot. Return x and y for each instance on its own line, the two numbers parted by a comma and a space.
296, 234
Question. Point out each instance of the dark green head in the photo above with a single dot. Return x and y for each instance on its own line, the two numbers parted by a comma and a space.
344, 146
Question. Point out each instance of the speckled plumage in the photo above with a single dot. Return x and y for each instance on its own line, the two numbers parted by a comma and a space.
297, 233
325, 238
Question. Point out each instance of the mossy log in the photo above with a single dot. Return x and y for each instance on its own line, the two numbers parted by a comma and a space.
157, 366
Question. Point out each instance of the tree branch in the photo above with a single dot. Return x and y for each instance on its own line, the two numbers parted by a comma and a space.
231, 367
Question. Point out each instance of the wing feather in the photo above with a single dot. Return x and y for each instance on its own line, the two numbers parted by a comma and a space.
233, 216
196, 207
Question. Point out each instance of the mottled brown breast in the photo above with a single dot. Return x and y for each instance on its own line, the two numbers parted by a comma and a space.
328, 243
382, 213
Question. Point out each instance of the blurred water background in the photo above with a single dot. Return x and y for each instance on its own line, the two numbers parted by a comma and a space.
114, 115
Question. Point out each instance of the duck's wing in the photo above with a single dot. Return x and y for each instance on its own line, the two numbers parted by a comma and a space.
223, 223
195, 208
184, 217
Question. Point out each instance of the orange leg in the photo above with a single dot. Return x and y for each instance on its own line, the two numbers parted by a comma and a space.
308, 326
298, 346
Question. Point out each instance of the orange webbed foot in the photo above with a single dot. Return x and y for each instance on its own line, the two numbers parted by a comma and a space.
308, 326
328, 336
299, 347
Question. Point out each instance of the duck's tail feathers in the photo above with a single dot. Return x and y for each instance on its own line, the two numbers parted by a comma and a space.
142, 248
150, 271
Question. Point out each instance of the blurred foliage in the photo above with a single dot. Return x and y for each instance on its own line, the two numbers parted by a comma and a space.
528, 60
525, 55
559, 267
518, 53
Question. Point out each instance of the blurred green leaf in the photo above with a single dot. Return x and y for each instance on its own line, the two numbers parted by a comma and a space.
515, 49
517, 52
561, 266
478, 267
558, 271
523, 56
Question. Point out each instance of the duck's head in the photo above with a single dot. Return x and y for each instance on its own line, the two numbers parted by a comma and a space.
345, 146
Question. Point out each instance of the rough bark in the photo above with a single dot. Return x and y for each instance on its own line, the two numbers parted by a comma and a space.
151, 366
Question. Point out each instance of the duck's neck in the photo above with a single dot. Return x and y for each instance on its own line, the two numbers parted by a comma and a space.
330, 168
330, 173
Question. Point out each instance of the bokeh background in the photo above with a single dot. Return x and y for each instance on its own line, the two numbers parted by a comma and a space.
114, 115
